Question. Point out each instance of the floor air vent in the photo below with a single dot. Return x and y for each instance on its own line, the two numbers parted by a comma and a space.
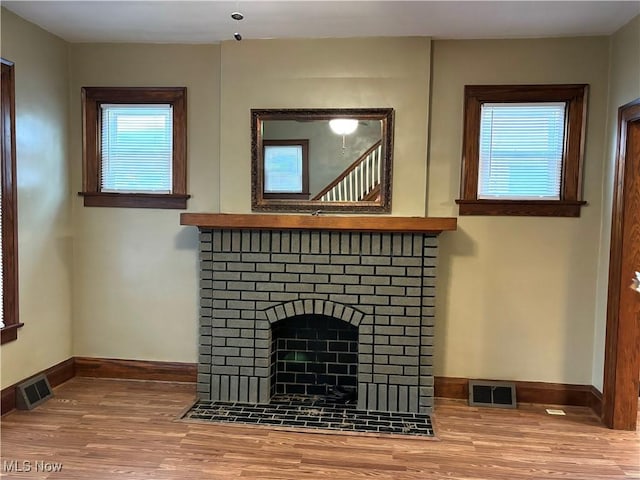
33, 392
492, 394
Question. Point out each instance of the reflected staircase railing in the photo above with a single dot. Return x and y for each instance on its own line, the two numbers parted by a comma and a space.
358, 182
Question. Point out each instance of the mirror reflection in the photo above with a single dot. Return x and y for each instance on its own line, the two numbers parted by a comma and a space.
329, 160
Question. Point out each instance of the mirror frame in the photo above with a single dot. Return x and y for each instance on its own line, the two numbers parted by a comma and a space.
258, 200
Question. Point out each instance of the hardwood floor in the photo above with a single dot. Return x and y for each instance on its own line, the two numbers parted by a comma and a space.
104, 429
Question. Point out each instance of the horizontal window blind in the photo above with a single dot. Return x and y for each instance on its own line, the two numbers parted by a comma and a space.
521, 150
136, 148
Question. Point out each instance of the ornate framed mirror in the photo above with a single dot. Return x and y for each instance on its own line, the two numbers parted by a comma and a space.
328, 160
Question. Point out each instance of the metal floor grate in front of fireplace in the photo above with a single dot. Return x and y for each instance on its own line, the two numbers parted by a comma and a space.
299, 411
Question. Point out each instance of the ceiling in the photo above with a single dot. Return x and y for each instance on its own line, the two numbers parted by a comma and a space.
210, 21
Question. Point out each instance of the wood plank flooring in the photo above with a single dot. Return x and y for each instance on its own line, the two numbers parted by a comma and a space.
105, 429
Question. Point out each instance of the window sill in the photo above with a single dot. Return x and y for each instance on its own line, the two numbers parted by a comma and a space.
9, 333
286, 196
531, 208
135, 200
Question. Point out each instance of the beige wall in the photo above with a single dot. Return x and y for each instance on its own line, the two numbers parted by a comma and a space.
624, 86
365, 72
136, 270
516, 294
44, 224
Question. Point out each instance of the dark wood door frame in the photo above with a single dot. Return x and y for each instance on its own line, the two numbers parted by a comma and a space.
622, 344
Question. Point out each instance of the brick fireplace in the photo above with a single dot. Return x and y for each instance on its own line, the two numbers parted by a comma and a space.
258, 282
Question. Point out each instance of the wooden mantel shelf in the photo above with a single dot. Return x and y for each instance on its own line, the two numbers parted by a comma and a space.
320, 222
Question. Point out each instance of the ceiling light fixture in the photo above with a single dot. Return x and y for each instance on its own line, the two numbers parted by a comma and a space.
237, 16
343, 126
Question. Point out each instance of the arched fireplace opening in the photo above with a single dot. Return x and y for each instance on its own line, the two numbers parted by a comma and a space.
314, 356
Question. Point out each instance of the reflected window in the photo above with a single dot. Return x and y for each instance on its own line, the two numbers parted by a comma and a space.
286, 168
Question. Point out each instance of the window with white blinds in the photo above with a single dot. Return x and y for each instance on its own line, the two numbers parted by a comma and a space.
136, 148
521, 150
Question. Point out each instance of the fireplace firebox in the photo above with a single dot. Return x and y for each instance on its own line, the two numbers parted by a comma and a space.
314, 355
